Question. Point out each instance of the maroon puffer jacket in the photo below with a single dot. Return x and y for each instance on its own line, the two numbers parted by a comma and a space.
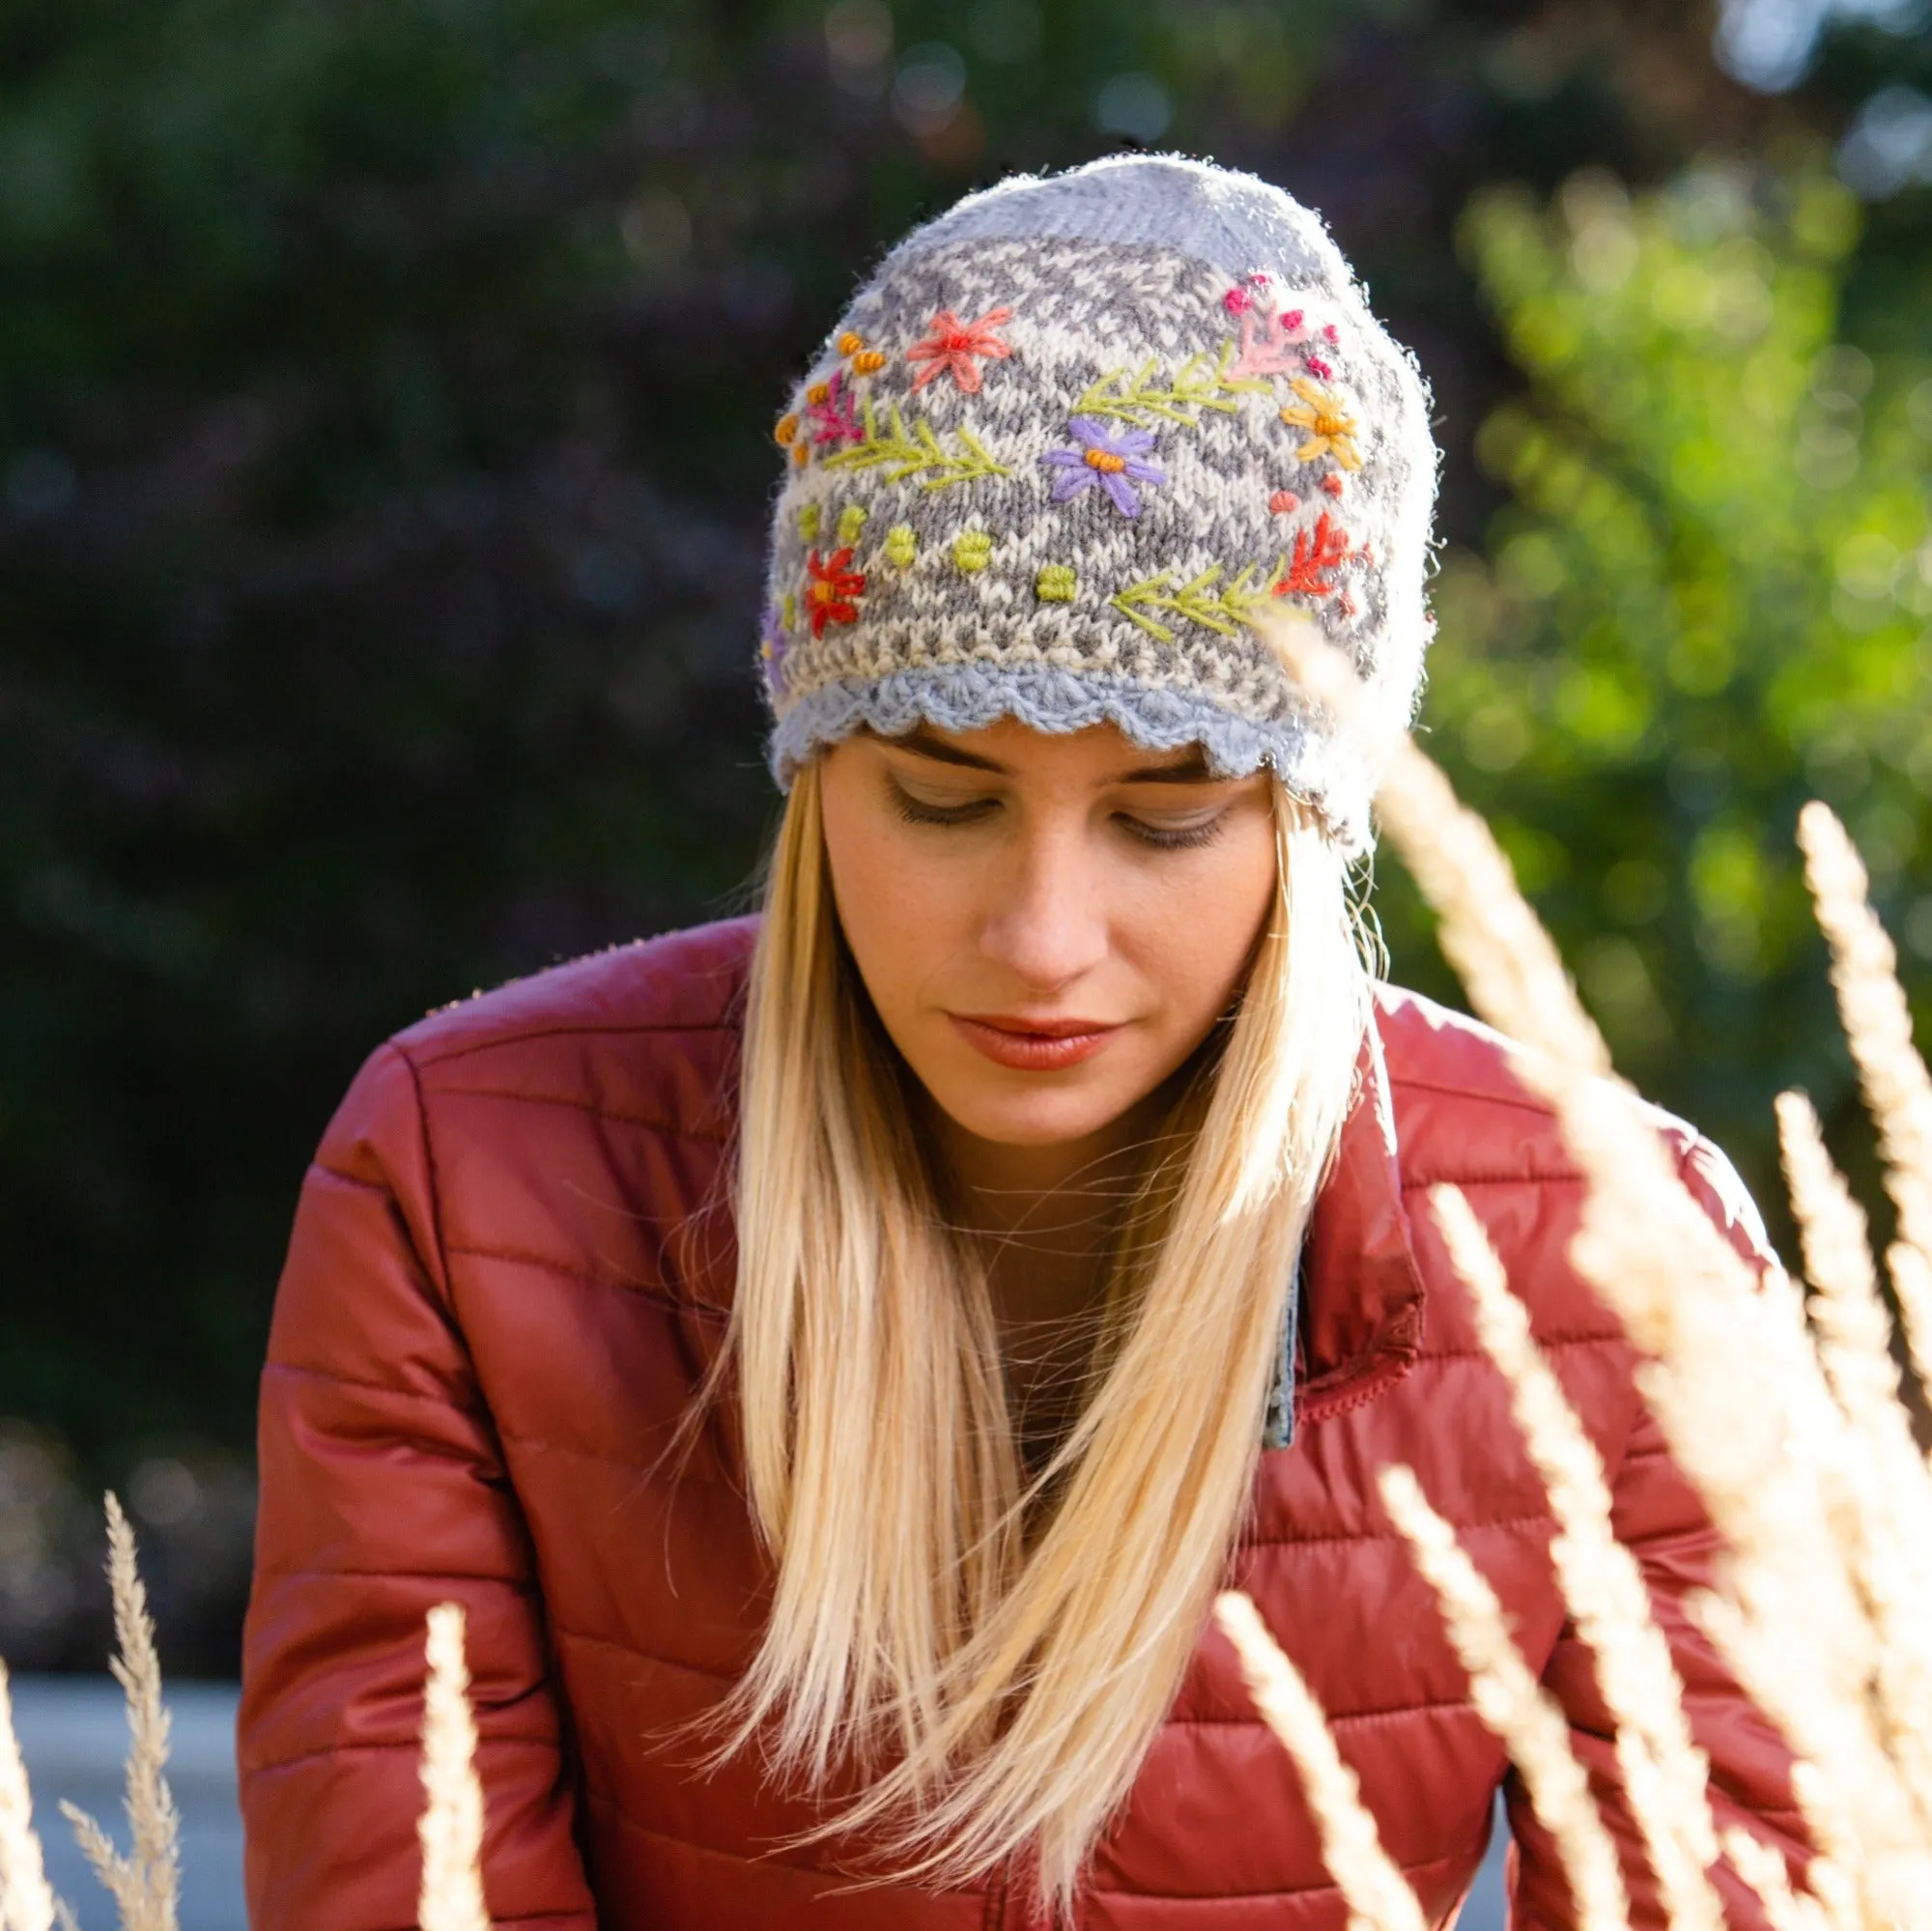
505, 1278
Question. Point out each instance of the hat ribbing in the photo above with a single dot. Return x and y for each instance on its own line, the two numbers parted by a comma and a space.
1067, 443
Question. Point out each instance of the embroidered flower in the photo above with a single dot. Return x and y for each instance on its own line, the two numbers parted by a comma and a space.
953, 345
1332, 484
1238, 302
1283, 503
833, 415
1326, 547
834, 583
772, 646
1113, 458
1322, 371
1330, 431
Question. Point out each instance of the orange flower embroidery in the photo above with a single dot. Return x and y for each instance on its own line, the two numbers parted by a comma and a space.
1330, 431
953, 345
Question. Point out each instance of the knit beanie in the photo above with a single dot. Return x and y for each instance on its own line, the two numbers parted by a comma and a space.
1067, 444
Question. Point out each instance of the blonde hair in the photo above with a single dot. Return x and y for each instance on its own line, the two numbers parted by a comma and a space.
996, 1668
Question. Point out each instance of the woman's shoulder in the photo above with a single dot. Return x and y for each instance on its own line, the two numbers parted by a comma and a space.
689, 982
1465, 1113
645, 1032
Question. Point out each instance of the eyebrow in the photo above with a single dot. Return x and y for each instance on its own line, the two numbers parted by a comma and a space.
924, 743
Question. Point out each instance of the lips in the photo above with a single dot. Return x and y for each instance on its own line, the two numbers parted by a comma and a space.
1033, 1045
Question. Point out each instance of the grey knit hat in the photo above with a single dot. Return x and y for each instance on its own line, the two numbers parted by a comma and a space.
1067, 443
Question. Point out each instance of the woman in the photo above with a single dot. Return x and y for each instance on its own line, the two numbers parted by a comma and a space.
837, 1359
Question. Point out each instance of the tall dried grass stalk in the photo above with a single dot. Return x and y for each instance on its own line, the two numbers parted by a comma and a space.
26, 1899
1378, 1895
1506, 1695
1878, 1028
146, 1883
451, 1829
1762, 1868
1887, 1490
1666, 1775
1753, 1438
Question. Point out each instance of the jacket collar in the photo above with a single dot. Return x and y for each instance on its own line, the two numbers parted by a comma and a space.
1362, 1296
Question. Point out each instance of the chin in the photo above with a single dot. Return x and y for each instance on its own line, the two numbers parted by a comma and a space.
999, 1113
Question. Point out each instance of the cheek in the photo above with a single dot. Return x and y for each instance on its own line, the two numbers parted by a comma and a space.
891, 907
1194, 935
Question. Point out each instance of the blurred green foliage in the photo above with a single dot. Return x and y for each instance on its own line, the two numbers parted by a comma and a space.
1706, 599
384, 404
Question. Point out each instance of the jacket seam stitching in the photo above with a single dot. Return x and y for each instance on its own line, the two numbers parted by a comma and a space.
273, 1367
614, 1806
1422, 1707
324, 1750
581, 1031
1389, 1534
306, 1571
1523, 1101
649, 1123
645, 1469
1605, 1338
523, 1258
435, 1178
1567, 1176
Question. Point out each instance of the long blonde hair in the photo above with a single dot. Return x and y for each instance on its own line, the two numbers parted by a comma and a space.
997, 1673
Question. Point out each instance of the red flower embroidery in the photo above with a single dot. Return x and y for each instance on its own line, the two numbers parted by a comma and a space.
1326, 549
952, 345
833, 585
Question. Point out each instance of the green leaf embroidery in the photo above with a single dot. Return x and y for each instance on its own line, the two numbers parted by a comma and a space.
1194, 386
917, 454
1225, 610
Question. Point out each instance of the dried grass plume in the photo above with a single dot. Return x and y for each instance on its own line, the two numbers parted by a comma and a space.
145, 1884
1377, 1894
451, 1829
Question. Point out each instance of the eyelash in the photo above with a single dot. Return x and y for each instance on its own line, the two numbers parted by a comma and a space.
1192, 839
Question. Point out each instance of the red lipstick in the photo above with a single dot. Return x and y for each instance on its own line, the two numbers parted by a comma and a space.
1032, 1045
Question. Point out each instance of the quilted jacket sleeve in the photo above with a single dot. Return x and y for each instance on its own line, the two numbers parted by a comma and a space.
1658, 1517
382, 1493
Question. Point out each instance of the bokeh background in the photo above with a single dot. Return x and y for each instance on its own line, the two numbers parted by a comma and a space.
385, 394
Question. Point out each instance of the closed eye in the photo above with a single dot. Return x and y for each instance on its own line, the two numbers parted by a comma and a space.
923, 811
1188, 836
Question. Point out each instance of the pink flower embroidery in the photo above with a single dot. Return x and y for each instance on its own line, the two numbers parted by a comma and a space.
952, 347
829, 406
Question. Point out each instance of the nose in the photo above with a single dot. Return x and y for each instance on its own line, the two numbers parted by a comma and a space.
1047, 923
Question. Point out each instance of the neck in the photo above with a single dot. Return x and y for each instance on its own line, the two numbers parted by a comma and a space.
1046, 1215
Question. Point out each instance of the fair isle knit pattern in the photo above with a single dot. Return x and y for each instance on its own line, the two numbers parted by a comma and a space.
1068, 444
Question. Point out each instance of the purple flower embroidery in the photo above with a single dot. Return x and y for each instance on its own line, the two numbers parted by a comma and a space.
772, 646
1111, 458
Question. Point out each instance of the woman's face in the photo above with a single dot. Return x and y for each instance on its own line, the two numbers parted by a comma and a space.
1048, 924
